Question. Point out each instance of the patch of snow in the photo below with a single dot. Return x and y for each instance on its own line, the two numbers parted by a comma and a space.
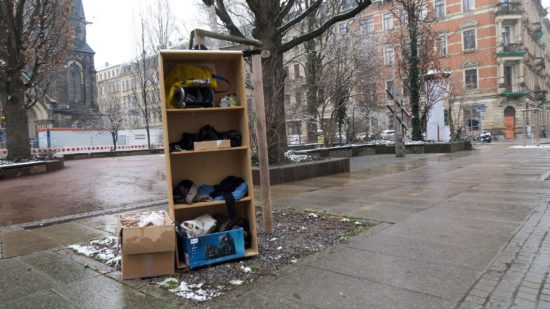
246, 269
236, 282
345, 220
314, 215
5, 163
293, 261
84, 250
273, 239
279, 248
168, 282
193, 291
532, 147
357, 223
104, 250
303, 227
298, 158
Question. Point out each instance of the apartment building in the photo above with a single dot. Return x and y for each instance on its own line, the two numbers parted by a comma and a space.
496, 53
119, 84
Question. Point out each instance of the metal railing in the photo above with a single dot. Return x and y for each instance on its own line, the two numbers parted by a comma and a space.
509, 8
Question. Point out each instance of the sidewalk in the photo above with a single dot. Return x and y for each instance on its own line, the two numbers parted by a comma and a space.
453, 221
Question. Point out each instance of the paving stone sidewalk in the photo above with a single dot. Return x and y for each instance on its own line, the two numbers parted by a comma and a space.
518, 276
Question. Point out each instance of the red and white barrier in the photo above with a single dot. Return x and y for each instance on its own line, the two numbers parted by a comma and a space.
85, 149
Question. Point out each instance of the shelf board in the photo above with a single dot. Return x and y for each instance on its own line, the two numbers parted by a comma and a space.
250, 252
203, 110
184, 152
205, 204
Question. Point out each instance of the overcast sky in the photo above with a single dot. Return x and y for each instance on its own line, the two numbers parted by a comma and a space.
111, 33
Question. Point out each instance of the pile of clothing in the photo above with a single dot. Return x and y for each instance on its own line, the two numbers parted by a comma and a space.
206, 133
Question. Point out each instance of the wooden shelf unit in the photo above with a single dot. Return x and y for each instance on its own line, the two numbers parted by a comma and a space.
208, 166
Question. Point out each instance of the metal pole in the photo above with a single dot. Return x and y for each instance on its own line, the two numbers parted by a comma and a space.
524, 113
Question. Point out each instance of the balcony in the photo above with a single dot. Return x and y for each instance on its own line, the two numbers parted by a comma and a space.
540, 95
513, 90
509, 8
511, 50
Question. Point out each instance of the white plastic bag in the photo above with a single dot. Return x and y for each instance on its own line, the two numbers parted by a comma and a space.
199, 226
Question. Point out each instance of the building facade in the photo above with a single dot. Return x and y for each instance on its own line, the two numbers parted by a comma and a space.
119, 85
496, 51
71, 99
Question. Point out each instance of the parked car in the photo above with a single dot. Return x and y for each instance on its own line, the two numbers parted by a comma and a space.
388, 134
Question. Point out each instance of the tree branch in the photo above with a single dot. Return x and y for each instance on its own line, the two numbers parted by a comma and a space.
296, 20
224, 16
284, 12
361, 5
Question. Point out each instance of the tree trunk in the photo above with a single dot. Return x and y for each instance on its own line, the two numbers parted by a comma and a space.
273, 76
115, 138
17, 127
414, 79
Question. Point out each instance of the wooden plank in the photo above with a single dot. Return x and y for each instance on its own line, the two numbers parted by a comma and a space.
261, 136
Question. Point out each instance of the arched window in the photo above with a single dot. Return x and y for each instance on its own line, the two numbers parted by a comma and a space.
75, 83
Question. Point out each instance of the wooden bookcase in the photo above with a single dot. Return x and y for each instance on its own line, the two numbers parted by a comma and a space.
208, 166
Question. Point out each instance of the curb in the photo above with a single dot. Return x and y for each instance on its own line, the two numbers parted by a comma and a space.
69, 218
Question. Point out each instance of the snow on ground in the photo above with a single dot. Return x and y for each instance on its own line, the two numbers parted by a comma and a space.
104, 250
532, 147
195, 292
5, 163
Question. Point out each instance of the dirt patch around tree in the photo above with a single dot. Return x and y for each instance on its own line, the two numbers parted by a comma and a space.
297, 234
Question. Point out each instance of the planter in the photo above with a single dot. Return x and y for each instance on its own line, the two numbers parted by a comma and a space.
362, 150
30, 169
91, 155
298, 171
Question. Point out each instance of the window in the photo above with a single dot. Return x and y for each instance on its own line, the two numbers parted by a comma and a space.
293, 127
75, 83
439, 8
366, 25
298, 98
296, 71
390, 86
470, 76
370, 25
404, 18
343, 29
508, 78
388, 55
506, 35
467, 5
442, 48
285, 69
469, 37
388, 21
406, 88
422, 12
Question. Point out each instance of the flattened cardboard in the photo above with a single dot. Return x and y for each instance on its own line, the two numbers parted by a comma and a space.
147, 251
209, 145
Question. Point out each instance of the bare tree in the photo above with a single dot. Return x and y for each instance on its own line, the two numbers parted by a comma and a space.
155, 29
415, 34
36, 36
455, 110
271, 20
341, 79
113, 120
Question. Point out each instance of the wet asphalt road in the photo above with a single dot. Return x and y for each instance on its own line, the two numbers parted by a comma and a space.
83, 186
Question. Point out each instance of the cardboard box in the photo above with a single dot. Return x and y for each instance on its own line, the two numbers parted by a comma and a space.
212, 248
209, 145
147, 251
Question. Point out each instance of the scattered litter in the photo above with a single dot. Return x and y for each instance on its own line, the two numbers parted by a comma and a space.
293, 261
273, 239
246, 269
357, 222
236, 282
